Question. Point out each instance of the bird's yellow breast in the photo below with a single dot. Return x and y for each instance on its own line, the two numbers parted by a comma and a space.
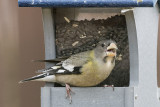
92, 74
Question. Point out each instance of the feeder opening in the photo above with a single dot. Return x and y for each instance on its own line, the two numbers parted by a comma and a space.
80, 29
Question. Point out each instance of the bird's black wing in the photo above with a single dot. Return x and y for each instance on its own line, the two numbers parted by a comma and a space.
59, 69
72, 65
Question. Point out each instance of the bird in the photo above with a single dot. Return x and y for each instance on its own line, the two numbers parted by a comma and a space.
83, 69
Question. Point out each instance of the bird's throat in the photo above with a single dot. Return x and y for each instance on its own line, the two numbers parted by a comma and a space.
107, 59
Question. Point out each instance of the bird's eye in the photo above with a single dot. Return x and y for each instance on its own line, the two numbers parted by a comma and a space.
103, 45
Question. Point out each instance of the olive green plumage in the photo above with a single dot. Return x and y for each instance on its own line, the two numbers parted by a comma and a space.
83, 69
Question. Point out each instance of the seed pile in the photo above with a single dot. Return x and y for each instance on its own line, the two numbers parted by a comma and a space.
77, 36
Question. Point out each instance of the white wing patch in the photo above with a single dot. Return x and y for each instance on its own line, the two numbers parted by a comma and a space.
56, 67
61, 71
68, 67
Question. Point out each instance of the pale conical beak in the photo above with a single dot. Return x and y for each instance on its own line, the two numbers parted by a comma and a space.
112, 46
111, 50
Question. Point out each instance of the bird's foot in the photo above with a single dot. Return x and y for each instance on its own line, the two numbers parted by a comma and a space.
68, 92
109, 86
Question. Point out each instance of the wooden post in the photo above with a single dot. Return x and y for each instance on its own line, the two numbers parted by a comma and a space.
49, 36
50, 49
142, 24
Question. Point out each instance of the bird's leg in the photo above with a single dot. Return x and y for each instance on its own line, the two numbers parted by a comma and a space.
68, 92
109, 86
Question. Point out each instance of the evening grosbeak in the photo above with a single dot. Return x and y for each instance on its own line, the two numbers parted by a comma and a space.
84, 69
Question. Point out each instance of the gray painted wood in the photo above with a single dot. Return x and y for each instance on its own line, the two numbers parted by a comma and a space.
90, 97
143, 32
50, 50
159, 94
133, 48
45, 97
49, 35
146, 20
129, 97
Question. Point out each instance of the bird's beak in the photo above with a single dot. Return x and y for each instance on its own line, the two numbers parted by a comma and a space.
112, 46
111, 50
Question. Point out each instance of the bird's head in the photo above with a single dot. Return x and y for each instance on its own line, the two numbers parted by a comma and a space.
106, 48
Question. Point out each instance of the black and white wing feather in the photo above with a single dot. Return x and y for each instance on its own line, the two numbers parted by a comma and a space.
72, 65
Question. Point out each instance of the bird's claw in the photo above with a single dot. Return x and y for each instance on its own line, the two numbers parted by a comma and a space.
68, 93
109, 86
70, 98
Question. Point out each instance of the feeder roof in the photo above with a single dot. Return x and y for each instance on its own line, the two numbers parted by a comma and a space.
86, 3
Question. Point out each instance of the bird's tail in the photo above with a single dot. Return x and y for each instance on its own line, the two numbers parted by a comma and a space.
41, 77
46, 75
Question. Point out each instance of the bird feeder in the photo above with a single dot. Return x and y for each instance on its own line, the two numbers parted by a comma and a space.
142, 17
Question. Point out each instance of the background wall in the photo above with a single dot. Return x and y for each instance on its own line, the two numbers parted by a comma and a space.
21, 40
